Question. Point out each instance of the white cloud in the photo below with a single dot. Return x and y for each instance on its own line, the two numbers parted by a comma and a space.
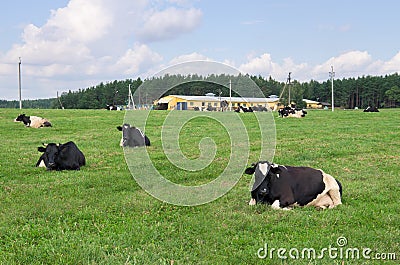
265, 66
391, 66
168, 23
92, 40
352, 63
81, 21
137, 58
348, 64
188, 58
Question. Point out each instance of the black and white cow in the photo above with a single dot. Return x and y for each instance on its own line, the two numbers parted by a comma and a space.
61, 157
242, 109
132, 136
292, 112
285, 186
371, 109
113, 107
33, 121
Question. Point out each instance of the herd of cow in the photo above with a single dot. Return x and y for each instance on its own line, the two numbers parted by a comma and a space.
282, 187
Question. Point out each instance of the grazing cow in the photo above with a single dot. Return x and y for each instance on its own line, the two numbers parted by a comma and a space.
292, 112
61, 156
132, 136
33, 121
284, 186
371, 109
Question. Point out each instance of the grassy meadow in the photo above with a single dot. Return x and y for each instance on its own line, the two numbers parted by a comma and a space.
100, 215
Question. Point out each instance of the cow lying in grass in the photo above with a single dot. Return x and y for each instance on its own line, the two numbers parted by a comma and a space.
33, 121
284, 186
292, 112
132, 136
61, 157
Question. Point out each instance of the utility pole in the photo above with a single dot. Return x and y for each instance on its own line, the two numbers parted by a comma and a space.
332, 75
230, 94
19, 83
288, 80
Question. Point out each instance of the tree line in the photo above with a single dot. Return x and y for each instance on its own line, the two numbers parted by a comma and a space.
378, 91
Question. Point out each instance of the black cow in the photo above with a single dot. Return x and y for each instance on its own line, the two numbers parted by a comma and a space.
61, 156
371, 109
132, 136
284, 186
33, 121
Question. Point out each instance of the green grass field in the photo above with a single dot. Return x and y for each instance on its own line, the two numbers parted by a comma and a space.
100, 215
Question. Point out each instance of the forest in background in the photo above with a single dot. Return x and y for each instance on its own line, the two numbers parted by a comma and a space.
379, 91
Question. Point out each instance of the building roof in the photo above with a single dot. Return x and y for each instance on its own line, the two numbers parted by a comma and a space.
308, 101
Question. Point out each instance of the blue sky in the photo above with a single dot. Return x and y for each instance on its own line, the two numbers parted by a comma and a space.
67, 45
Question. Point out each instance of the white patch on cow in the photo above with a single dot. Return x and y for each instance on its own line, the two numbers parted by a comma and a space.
330, 196
296, 114
252, 202
263, 167
121, 142
37, 122
276, 206
42, 164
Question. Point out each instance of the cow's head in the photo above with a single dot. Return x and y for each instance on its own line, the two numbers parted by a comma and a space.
21, 117
263, 171
125, 134
50, 152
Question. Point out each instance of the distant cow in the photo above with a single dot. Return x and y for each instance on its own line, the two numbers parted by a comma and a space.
112, 107
292, 112
371, 109
33, 121
243, 109
259, 108
61, 157
132, 136
284, 186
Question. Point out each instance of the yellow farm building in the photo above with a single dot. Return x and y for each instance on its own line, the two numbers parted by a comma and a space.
212, 102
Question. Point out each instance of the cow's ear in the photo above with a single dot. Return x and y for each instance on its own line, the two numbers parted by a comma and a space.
41, 149
275, 168
119, 128
251, 170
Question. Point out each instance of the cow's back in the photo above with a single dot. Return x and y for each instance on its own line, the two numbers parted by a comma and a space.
70, 157
306, 183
